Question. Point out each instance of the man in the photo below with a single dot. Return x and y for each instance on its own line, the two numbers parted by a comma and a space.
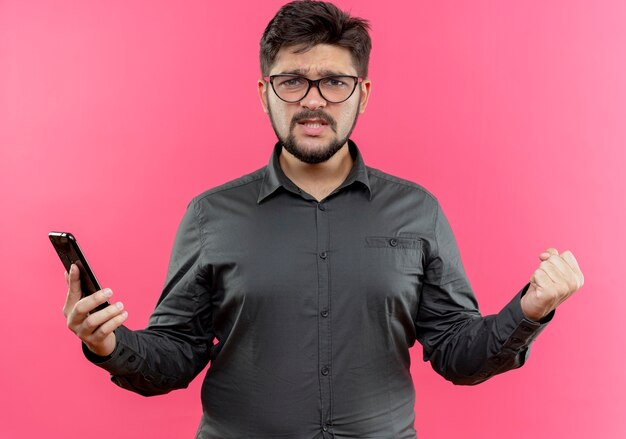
315, 274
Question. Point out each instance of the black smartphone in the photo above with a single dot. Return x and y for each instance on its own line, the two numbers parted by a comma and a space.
68, 250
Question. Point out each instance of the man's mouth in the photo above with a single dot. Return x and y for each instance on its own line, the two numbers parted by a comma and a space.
313, 127
312, 123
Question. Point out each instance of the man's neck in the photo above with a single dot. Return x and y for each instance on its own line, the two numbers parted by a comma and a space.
318, 180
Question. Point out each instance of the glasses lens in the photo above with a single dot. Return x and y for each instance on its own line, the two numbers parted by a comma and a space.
337, 88
290, 88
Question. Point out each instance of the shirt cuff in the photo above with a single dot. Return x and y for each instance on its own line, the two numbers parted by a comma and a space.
522, 331
124, 360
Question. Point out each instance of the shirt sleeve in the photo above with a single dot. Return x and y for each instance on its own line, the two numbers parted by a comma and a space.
462, 345
177, 343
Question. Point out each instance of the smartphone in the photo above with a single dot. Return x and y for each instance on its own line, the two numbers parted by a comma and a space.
68, 250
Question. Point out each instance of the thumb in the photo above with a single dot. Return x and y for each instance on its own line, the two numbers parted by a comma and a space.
74, 292
544, 256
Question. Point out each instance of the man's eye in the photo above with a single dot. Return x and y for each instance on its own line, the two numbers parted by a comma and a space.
292, 82
335, 82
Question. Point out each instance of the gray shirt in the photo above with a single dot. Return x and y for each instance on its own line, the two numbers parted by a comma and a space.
306, 310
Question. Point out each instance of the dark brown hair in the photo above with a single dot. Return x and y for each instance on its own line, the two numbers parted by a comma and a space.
306, 23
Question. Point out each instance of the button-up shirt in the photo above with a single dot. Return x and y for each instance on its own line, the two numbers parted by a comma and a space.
307, 310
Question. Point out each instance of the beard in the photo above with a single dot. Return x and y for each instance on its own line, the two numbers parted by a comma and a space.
305, 155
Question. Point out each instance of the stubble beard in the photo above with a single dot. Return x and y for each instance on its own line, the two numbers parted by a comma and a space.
319, 155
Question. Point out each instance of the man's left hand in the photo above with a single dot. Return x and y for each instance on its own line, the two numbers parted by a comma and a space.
556, 279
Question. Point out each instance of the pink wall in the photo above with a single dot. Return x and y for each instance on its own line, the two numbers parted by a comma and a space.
114, 114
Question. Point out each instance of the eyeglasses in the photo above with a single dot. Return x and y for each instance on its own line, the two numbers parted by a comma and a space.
293, 88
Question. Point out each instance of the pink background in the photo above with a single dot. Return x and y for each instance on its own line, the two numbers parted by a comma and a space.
113, 115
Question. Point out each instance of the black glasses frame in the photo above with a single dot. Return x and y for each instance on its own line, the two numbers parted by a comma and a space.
314, 83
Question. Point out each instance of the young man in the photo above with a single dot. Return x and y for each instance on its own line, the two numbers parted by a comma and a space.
315, 274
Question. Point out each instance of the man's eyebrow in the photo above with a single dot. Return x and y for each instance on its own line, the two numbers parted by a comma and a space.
295, 72
322, 73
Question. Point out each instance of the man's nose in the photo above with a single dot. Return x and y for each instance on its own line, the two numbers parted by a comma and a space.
313, 99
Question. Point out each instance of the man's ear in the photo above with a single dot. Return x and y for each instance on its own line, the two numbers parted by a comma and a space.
262, 85
366, 88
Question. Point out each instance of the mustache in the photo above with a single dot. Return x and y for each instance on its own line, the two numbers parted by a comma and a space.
313, 114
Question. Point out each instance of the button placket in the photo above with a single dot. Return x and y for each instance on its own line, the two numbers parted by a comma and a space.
324, 322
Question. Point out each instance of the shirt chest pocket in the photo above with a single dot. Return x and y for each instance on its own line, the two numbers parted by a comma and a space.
396, 253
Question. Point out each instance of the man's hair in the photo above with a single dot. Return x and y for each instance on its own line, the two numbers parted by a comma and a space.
306, 23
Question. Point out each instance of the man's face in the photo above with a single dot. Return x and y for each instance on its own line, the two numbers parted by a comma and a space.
313, 129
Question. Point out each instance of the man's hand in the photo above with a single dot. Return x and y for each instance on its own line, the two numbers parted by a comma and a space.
556, 279
95, 330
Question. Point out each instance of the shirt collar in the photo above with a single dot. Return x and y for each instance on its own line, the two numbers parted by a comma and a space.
275, 177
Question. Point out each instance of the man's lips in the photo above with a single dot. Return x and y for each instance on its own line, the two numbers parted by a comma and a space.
312, 122
312, 127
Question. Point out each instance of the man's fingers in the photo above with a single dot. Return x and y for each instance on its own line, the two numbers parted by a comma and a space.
571, 261
110, 325
540, 280
561, 274
571, 278
556, 279
93, 322
543, 287
98, 333
567, 278
83, 307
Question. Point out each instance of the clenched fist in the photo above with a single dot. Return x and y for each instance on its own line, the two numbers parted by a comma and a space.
556, 279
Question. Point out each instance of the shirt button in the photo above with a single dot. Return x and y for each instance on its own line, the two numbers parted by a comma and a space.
323, 255
325, 370
393, 242
131, 359
321, 206
325, 427
324, 313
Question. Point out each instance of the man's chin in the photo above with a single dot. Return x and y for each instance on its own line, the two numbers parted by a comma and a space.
312, 153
